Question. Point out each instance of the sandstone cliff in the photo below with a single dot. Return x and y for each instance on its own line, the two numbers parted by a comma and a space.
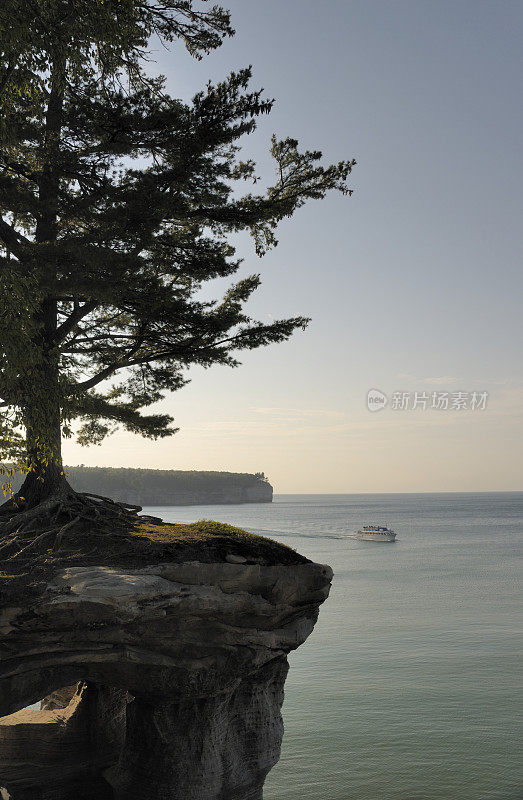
161, 487
173, 667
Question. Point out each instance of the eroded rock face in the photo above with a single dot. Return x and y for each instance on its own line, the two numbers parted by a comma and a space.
63, 748
184, 666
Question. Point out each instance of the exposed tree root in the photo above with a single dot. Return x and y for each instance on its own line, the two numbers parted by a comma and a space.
62, 522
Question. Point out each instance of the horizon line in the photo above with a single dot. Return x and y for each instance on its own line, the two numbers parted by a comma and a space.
452, 491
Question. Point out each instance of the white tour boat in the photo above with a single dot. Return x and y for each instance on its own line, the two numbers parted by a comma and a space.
376, 533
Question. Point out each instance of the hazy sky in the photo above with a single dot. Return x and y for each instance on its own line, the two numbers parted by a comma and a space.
414, 284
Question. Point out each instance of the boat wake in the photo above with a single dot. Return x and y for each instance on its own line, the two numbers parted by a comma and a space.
291, 534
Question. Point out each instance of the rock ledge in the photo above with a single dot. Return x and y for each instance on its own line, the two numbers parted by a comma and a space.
176, 671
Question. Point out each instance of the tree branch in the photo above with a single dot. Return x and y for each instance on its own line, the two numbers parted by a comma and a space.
13, 240
19, 169
74, 318
6, 77
116, 365
102, 375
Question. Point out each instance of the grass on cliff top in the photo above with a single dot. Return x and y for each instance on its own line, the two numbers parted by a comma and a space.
203, 529
208, 530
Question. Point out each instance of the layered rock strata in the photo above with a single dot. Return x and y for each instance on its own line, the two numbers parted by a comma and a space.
177, 672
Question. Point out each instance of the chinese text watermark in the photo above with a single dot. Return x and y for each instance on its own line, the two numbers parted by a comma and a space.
423, 401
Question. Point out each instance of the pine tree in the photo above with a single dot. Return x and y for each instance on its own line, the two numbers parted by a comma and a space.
116, 201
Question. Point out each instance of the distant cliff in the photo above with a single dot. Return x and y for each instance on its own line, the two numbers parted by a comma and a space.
158, 487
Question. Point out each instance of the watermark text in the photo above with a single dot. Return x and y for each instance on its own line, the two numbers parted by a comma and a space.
427, 401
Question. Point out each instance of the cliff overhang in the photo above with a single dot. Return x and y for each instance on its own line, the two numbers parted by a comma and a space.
174, 650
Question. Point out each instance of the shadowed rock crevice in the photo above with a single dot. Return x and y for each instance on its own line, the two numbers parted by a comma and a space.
62, 749
177, 674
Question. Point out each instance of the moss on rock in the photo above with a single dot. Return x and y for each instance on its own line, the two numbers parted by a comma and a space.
227, 537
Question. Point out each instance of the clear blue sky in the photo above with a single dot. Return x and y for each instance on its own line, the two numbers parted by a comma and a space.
414, 283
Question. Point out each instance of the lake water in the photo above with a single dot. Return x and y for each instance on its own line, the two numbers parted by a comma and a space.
409, 687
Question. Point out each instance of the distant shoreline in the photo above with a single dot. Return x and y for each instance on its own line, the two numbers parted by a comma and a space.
156, 487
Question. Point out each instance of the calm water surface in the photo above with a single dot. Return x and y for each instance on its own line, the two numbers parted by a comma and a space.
409, 687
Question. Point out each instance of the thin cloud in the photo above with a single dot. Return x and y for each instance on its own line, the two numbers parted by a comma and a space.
443, 380
280, 412
436, 380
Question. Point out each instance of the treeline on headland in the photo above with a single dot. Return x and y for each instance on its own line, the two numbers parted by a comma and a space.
153, 487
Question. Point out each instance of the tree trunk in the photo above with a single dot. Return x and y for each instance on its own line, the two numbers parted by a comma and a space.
42, 389
42, 416
43, 441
